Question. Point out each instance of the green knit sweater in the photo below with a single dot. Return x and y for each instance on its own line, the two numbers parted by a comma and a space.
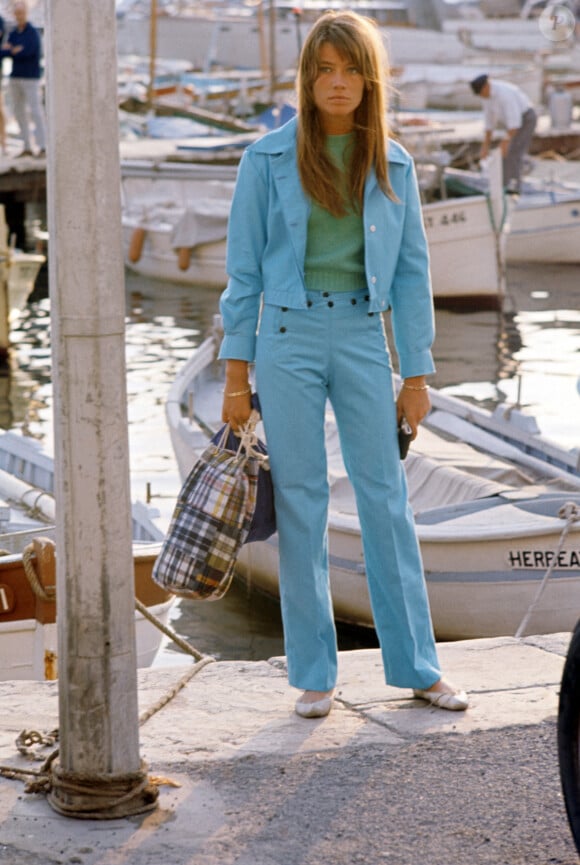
335, 245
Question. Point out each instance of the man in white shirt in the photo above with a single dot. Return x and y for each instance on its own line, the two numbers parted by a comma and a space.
507, 106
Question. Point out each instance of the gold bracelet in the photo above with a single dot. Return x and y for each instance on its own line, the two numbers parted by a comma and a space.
239, 392
415, 387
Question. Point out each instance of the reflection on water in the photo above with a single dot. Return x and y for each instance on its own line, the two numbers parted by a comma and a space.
534, 344
532, 348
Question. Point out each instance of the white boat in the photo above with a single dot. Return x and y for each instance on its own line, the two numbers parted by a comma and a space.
466, 254
175, 223
28, 638
544, 222
487, 491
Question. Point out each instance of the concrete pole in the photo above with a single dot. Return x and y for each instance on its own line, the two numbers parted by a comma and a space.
272, 21
152, 52
99, 748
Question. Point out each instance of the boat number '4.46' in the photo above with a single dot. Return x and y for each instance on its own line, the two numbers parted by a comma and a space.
431, 220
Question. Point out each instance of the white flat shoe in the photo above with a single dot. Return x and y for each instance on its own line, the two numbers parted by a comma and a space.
455, 701
318, 709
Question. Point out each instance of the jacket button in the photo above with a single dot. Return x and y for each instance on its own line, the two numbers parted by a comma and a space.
373, 228
353, 301
367, 297
308, 303
373, 279
284, 309
325, 294
282, 330
331, 303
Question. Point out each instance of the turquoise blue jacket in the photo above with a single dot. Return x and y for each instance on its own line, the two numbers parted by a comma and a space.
267, 245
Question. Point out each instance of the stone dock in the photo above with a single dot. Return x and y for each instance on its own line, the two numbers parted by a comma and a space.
384, 779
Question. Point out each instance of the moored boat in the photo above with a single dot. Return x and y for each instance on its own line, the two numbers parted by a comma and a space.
544, 221
496, 506
28, 640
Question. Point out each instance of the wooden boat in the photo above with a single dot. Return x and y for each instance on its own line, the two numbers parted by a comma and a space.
488, 492
28, 641
175, 224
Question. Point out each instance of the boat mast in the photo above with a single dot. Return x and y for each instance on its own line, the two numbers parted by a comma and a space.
272, 22
152, 52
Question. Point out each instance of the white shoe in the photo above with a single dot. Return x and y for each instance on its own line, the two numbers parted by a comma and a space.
454, 701
317, 709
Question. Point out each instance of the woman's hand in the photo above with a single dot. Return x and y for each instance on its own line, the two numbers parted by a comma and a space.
413, 402
236, 407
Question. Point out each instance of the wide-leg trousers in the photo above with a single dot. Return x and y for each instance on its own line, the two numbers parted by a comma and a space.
336, 350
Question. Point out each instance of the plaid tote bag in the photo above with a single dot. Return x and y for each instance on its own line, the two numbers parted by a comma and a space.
210, 522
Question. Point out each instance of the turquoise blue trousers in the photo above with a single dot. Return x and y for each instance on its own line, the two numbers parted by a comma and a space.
335, 350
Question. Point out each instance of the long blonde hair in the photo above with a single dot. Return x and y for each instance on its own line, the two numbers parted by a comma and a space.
356, 38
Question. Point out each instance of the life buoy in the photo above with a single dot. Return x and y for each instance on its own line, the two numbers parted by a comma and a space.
136, 244
183, 257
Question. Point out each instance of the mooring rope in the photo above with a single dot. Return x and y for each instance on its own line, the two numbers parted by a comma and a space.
168, 631
571, 513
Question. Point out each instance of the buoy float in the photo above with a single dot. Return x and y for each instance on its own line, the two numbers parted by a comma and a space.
183, 257
136, 244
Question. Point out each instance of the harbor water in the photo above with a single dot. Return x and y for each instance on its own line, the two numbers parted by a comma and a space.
527, 353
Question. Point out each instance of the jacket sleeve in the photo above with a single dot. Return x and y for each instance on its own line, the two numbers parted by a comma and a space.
412, 313
247, 238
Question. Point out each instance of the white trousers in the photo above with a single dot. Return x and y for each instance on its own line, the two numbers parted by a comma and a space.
25, 95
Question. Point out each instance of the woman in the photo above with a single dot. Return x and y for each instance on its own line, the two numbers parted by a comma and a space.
326, 230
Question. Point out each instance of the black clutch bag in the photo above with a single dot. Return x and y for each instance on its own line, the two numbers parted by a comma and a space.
405, 436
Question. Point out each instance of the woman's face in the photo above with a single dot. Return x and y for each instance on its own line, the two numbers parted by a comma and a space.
338, 90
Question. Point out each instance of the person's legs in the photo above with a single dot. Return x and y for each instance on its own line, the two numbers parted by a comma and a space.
291, 384
519, 146
32, 90
19, 107
361, 392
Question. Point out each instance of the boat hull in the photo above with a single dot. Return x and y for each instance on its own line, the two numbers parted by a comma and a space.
158, 260
459, 234
476, 589
28, 631
545, 234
